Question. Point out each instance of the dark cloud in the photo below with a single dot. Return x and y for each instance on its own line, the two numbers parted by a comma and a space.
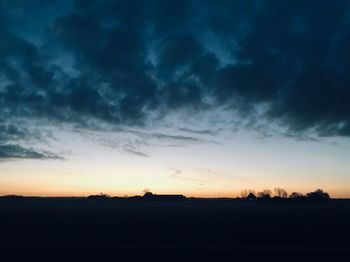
13, 142
11, 132
121, 62
292, 63
13, 151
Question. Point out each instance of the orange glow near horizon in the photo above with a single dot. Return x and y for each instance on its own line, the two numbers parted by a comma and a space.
68, 192
197, 171
188, 195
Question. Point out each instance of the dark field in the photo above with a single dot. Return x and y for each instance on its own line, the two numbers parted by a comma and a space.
64, 229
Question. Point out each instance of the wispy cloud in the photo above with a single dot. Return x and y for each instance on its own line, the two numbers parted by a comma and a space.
136, 142
200, 131
136, 153
178, 174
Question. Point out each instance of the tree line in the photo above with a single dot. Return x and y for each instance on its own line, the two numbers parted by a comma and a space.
281, 193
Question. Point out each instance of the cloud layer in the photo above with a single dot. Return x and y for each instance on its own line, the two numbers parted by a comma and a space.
125, 62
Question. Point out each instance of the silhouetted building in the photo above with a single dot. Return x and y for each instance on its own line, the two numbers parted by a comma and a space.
151, 196
251, 197
100, 196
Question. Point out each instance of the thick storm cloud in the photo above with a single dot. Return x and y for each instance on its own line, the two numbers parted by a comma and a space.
122, 62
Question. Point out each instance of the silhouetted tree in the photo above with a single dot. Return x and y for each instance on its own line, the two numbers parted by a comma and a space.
318, 194
246, 192
265, 194
280, 192
296, 195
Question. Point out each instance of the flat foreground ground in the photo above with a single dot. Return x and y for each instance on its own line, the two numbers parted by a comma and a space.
66, 229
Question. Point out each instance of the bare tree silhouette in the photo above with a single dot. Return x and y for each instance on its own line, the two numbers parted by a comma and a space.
265, 194
280, 192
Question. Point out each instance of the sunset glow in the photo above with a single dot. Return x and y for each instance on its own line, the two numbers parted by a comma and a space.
196, 98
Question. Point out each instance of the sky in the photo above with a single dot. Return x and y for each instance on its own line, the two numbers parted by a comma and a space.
195, 97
